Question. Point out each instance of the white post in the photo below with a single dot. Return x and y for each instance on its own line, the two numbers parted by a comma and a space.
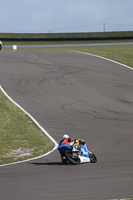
14, 47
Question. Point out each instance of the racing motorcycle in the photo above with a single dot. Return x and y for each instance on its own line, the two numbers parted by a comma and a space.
76, 154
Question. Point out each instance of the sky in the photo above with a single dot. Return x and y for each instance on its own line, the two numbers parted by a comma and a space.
57, 16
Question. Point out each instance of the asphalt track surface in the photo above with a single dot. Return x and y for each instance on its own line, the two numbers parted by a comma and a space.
83, 96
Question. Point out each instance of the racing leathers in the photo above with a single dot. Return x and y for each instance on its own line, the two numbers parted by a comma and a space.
74, 143
68, 141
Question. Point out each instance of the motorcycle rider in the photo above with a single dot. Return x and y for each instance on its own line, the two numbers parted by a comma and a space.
67, 140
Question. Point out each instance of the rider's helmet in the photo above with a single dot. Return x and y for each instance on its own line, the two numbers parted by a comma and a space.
65, 136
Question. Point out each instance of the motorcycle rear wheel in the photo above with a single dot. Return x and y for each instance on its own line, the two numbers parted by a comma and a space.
68, 154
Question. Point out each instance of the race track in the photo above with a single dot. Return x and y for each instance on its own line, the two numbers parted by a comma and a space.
81, 95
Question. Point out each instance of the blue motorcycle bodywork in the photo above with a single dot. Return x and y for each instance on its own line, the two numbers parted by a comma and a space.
63, 147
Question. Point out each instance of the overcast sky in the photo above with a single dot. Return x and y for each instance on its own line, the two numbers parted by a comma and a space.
66, 15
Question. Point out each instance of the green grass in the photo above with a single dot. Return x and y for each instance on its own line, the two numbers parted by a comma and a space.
122, 54
125, 199
18, 132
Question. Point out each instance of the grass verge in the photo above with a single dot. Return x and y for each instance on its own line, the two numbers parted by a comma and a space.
122, 54
17, 132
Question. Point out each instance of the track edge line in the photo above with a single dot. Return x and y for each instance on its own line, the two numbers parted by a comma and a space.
103, 58
38, 125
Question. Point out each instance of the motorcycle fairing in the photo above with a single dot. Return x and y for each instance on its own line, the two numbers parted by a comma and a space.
63, 147
84, 151
84, 159
85, 156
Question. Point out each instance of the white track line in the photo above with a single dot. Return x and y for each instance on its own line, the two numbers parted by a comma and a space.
38, 125
103, 58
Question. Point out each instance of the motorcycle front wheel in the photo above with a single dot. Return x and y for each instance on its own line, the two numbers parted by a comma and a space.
93, 158
68, 153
